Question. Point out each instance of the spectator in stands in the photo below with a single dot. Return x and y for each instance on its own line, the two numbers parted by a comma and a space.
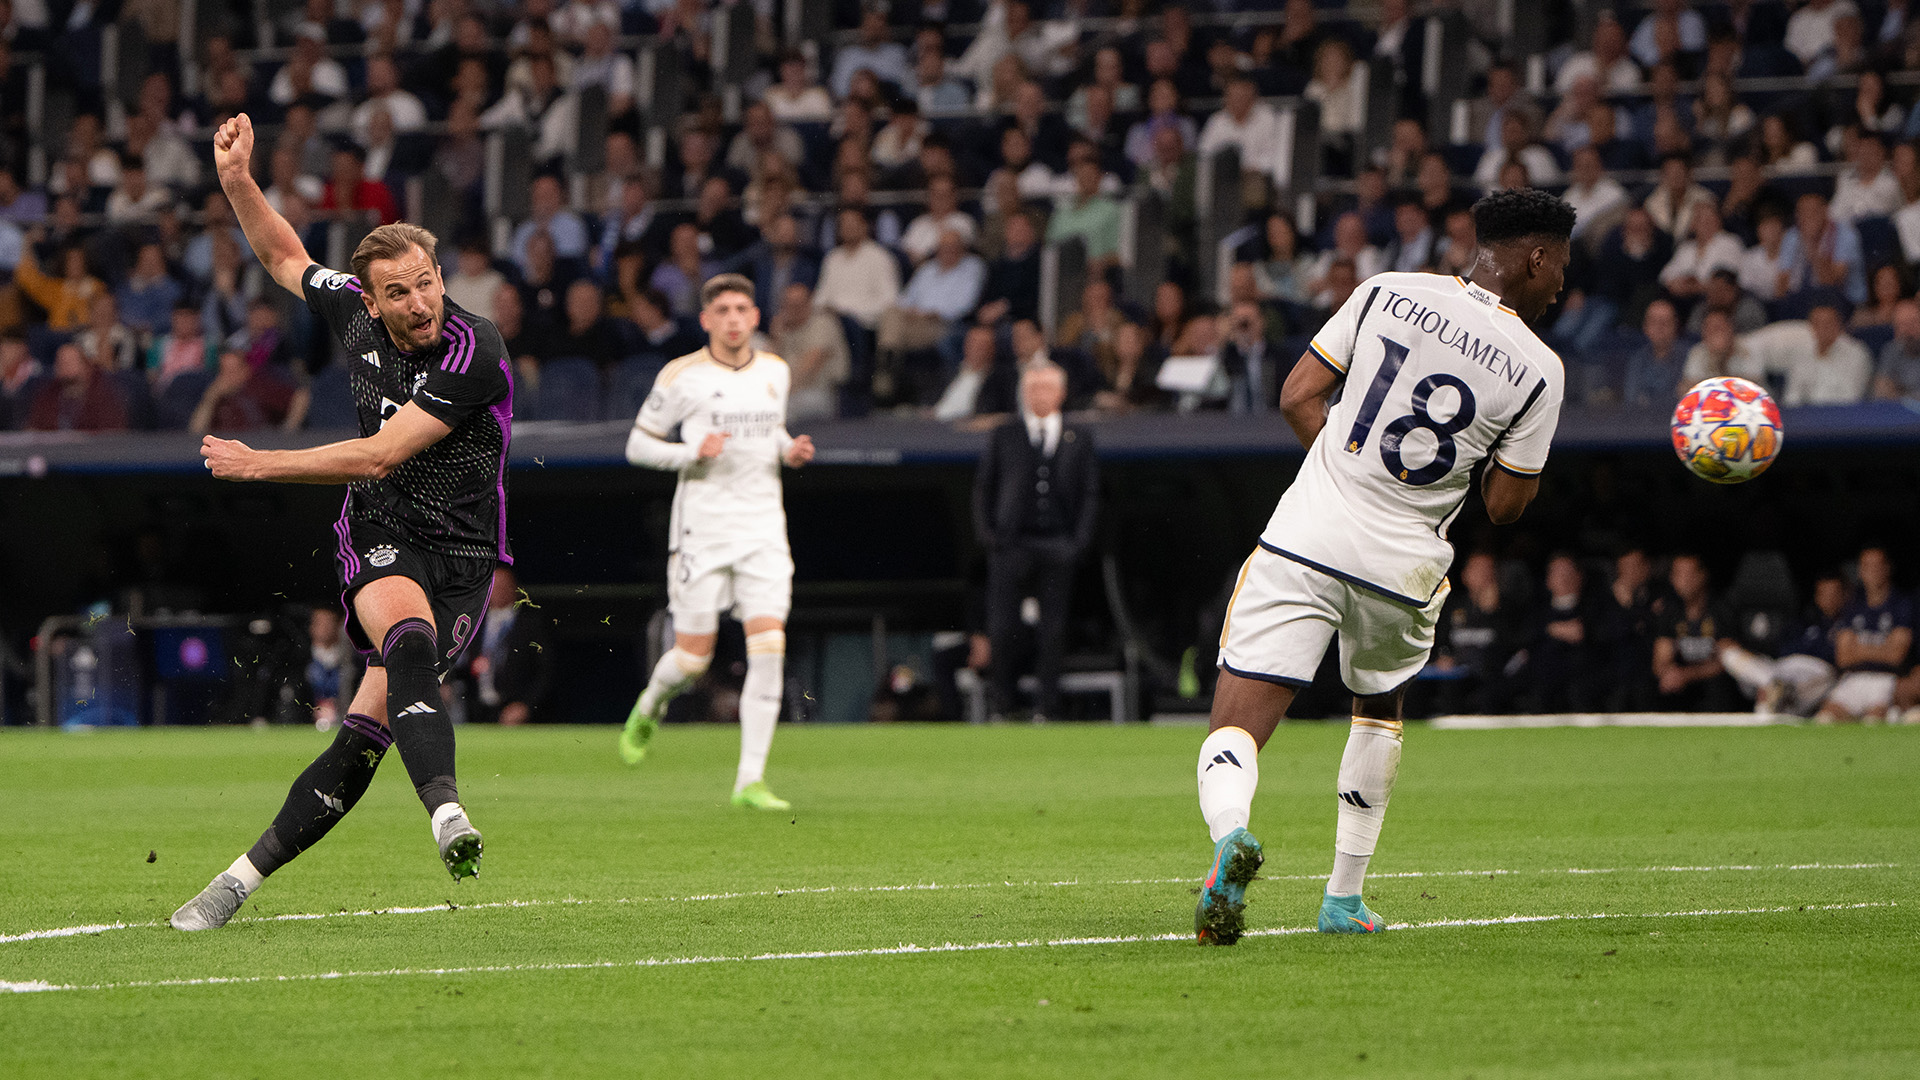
1867, 189
1341, 95
1870, 644
1479, 634
723, 233
1604, 134
1247, 124
1130, 376
795, 99
661, 335
1810, 32
1673, 201
1898, 373
231, 285
1800, 679
1485, 113
1707, 250
1686, 661
108, 344
134, 201
1719, 352
777, 261
1438, 194
1090, 216
1654, 370
1012, 289
1672, 28
1405, 152
1606, 61
1889, 287
182, 350
1781, 148
760, 132
19, 377
600, 65
1566, 125
543, 285
1349, 245
979, 357
873, 52
1848, 53
1047, 134
147, 296
1820, 363
1284, 270
1163, 111
680, 275
548, 213
587, 332
1724, 295
943, 215
897, 145
541, 103
66, 299
1720, 118
248, 397
1090, 328
1252, 367
349, 190
859, 278
813, 344
1342, 278
1412, 249
78, 397
942, 292
933, 89
1822, 253
474, 281
384, 91
1109, 74
1598, 200
1766, 270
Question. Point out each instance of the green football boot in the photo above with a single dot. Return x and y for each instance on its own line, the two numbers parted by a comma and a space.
637, 736
760, 797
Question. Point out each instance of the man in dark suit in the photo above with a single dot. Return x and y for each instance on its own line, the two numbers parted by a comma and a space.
1035, 499
776, 262
1252, 365
508, 670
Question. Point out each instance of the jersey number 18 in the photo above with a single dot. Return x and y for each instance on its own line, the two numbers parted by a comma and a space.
1396, 432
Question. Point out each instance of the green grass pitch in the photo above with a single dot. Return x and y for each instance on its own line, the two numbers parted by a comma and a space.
1757, 916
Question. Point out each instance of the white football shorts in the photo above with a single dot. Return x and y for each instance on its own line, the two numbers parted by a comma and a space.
1861, 693
702, 586
1283, 614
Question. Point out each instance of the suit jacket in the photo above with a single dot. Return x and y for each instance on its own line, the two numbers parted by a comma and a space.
1001, 495
522, 663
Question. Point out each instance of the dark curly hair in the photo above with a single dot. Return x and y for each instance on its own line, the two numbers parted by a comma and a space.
1520, 213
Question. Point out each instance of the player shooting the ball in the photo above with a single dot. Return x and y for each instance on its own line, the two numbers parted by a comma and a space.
423, 527
1411, 385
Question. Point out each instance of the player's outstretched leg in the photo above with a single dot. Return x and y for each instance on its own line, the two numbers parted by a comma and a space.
1229, 774
676, 671
759, 713
424, 733
320, 797
1367, 771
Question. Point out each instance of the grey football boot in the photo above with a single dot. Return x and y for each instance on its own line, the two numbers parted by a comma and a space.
459, 845
213, 907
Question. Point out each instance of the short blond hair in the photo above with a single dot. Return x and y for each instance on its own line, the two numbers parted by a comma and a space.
392, 242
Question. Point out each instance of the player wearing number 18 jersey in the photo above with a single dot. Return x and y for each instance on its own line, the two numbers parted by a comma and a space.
1414, 383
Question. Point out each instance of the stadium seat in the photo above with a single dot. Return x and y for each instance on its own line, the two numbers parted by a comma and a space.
569, 389
138, 397
173, 409
628, 384
1762, 599
1874, 338
333, 405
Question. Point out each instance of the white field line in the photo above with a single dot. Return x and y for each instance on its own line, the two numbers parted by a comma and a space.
95, 929
37, 986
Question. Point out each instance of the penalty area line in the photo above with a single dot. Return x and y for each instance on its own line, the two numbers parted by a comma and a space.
40, 986
96, 929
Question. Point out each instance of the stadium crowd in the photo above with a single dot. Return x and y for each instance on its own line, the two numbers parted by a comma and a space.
891, 191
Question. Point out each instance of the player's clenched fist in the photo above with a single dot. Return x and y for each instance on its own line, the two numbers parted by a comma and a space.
800, 452
226, 458
711, 446
233, 147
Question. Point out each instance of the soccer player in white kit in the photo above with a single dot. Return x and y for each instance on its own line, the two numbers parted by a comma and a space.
728, 535
1416, 380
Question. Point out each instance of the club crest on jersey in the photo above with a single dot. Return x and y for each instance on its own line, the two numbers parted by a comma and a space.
382, 556
419, 381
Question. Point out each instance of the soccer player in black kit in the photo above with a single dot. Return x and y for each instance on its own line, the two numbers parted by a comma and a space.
423, 526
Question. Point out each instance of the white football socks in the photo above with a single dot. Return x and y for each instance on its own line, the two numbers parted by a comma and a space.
676, 669
760, 703
250, 878
1229, 773
1367, 770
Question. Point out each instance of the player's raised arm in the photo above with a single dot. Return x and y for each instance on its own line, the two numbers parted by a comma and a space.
273, 240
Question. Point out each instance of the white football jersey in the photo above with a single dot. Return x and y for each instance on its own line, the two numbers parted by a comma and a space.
733, 502
1438, 375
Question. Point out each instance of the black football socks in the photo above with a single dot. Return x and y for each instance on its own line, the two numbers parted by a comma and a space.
421, 728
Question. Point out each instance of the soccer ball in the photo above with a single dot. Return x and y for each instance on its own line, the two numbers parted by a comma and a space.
1727, 430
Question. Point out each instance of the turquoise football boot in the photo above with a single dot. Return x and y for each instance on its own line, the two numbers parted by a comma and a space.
1220, 917
1348, 915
